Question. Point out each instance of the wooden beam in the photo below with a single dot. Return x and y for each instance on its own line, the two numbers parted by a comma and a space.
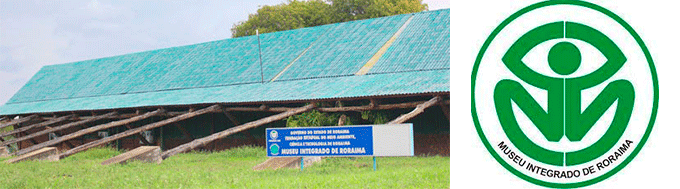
371, 106
37, 125
89, 130
62, 127
19, 121
231, 118
57, 134
259, 109
237, 123
211, 109
205, 140
26, 133
419, 109
445, 109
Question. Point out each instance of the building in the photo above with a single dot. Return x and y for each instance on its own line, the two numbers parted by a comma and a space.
174, 96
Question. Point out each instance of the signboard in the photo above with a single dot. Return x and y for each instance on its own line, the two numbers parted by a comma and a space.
365, 140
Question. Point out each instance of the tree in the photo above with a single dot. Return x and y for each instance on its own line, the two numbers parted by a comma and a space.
299, 14
348, 10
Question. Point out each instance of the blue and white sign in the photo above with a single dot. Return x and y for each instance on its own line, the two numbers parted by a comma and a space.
368, 140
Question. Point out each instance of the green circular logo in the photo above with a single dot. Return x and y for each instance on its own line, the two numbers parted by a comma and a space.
564, 93
274, 149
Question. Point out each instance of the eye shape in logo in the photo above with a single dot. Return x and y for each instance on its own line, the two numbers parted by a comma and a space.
561, 120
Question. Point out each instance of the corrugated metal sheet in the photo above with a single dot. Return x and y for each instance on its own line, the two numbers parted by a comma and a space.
321, 88
345, 48
280, 48
424, 45
228, 71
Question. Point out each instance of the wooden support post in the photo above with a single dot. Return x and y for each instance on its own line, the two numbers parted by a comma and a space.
37, 125
26, 133
419, 109
89, 130
161, 138
20, 120
342, 119
139, 135
202, 141
211, 109
212, 129
373, 103
62, 127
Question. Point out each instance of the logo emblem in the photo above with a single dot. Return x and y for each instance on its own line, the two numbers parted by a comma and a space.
564, 93
274, 135
274, 149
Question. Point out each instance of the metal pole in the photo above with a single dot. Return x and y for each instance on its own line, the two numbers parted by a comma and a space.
302, 163
375, 167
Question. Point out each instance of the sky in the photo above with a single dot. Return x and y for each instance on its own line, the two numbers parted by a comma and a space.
38, 33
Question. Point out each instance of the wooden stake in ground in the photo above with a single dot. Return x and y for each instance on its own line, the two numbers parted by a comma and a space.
44, 154
4, 152
59, 128
88, 131
149, 154
205, 140
419, 109
211, 109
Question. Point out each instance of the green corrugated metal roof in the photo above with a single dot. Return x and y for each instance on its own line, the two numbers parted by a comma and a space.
228, 71
424, 45
345, 48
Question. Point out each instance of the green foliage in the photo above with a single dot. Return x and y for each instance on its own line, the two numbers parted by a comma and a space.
314, 119
376, 117
348, 10
226, 169
11, 147
295, 14
299, 14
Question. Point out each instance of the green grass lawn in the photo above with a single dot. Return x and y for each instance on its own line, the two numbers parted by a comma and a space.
226, 169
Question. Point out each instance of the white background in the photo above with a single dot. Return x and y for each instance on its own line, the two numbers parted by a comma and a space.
656, 165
